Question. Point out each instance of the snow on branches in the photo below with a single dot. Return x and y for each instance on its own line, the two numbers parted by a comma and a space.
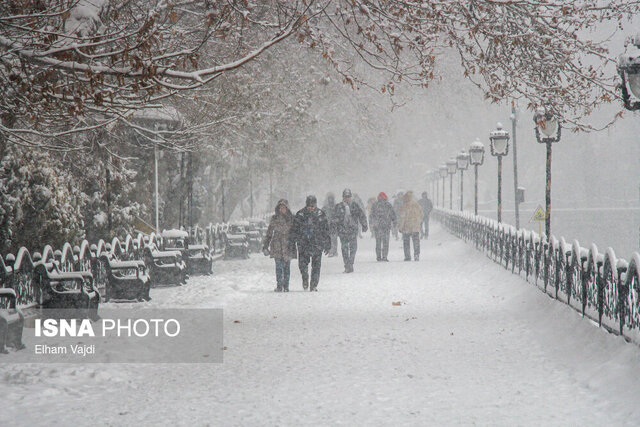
71, 65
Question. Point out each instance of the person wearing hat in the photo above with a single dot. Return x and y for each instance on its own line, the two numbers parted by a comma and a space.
348, 216
277, 244
382, 218
310, 233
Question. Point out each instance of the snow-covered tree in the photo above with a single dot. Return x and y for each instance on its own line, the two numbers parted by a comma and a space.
69, 65
39, 204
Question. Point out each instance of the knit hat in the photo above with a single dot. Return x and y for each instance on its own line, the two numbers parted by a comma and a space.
311, 201
346, 193
382, 196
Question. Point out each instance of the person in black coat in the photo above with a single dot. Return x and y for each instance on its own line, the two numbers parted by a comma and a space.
347, 219
381, 219
427, 207
310, 233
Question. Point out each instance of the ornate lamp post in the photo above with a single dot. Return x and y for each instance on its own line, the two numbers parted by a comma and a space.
443, 174
499, 148
476, 157
548, 131
629, 70
452, 166
433, 177
463, 164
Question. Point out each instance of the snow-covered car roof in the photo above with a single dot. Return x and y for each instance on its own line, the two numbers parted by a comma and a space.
174, 234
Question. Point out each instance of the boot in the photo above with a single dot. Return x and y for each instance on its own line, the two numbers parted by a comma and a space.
278, 288
305, 283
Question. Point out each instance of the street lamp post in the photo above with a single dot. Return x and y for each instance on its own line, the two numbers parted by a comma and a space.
443, 175
518, 193
463, 163
476, 157
629, 70
548, 131
431, 179
499, 148
452, 166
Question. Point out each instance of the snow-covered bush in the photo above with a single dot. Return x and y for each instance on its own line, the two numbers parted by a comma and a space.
39, 202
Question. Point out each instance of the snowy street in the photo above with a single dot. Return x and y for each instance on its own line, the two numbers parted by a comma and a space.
469, 344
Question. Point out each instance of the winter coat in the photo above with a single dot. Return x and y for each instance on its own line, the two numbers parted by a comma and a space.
310, 231
410, 215
426, 205
346, 226
382, 215
277, 239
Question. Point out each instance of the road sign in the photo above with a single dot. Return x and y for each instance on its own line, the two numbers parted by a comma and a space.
539, 215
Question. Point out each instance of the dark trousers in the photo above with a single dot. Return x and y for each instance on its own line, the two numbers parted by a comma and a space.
283, 272
406, 242
382, 243
315, 258
349, 247
424, 227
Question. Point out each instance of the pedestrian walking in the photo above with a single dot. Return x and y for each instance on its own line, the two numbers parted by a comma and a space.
277, 244
427, 206
310, 233
397, 204
329, 210
382, 218
370, 202
348, 220
409, 225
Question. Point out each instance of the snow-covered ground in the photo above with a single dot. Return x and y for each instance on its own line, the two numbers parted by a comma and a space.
469, 344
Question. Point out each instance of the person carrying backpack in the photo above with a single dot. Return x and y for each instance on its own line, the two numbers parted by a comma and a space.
310, 233
348, 218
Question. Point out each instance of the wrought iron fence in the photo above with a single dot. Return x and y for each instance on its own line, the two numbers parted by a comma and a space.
599, 285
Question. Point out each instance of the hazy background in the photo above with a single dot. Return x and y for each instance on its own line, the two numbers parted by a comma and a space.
594, 175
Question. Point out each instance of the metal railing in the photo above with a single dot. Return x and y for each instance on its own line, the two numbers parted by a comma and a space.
600, 286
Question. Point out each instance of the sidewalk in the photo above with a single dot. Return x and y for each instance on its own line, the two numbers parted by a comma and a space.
469, 344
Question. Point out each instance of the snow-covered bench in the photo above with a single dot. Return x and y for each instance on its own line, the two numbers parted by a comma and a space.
65, 290
123, 279
11, 321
